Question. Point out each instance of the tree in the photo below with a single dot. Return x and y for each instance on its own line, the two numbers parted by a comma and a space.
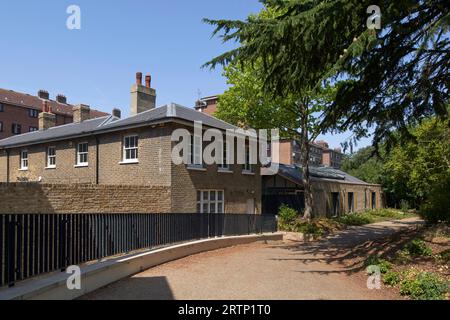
365, 165
246, 104
394, 77
296, 113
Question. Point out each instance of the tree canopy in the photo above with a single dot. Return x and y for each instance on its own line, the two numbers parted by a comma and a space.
386, 79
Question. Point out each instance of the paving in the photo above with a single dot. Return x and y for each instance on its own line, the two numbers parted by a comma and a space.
328, 269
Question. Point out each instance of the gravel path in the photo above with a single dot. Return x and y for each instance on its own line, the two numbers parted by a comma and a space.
327, 269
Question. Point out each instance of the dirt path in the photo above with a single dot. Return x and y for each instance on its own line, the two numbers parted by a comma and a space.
328, 269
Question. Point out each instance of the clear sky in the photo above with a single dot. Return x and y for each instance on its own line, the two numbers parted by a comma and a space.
97, 64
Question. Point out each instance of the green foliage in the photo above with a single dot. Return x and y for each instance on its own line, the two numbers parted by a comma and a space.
418, 248
364, 165
286, 217
374, 260
355, 219
424, 286
391, 278
391, 78
436, 207
444, 256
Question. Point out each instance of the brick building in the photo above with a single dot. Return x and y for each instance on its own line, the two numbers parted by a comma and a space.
19, 111
135, 151
320, 154
207, 105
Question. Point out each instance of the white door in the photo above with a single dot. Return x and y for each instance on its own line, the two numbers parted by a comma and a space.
251, 206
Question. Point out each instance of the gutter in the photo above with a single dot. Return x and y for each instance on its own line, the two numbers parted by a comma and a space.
7, 166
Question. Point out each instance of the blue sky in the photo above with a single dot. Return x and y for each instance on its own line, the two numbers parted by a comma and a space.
96, 65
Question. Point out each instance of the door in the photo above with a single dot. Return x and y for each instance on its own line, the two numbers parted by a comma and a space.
374, 200
335, 204
251, 206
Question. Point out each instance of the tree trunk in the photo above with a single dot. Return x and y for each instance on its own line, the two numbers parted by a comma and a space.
305, 147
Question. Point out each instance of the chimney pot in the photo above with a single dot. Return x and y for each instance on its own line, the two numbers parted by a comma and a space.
139, 78
117, 113
61, 98
148, 81
47, 119
143, 98
43, 94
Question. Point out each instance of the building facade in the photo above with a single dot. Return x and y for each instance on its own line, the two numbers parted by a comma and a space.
207, 105
19, 112
136, 151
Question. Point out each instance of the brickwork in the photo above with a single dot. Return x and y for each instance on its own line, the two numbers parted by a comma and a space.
54, 198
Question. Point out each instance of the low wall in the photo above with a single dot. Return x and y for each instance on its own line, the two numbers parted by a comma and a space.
100, 274
80, 198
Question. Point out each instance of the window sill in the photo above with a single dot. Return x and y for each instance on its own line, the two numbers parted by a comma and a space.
81, 165
196, 168
224, 170
50, 167
23, 169
129, 162
248, 173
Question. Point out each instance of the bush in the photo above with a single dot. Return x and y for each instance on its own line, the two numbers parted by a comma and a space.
424, 286
287, 217
445, 256
355, 219
391, 278
437, 206
374, 260
417, 248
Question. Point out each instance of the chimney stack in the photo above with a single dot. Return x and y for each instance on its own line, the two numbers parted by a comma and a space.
143, 98
61, 98
43, 94
116, 113
47, 119
81, 112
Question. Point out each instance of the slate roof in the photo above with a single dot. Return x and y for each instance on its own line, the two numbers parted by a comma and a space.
110, 123
294, 173
29, 101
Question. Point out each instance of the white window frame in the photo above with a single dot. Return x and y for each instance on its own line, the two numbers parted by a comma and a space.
225, 165
33, 113
23, 160
130, 148
210, 199
51, 157
195, 152
82, 153
247, 167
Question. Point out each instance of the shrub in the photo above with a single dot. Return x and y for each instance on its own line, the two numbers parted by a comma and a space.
403, 257
391, 278
287, 217
355, 219
445, 256
418, 247
424, 286
437, 206
374, 260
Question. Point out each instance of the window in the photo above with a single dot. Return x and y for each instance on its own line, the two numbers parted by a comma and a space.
16, 128
374, 200
195, 151
2, 107
210, 201
24, 160
351, 202
51, 157
1, 126
130, 149
32, 129
247, 167
82, 154
33, 113
225, 165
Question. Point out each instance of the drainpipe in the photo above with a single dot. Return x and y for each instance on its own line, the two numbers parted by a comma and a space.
97, 146
7, 166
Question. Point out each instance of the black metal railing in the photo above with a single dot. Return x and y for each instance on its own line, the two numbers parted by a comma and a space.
33, 244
